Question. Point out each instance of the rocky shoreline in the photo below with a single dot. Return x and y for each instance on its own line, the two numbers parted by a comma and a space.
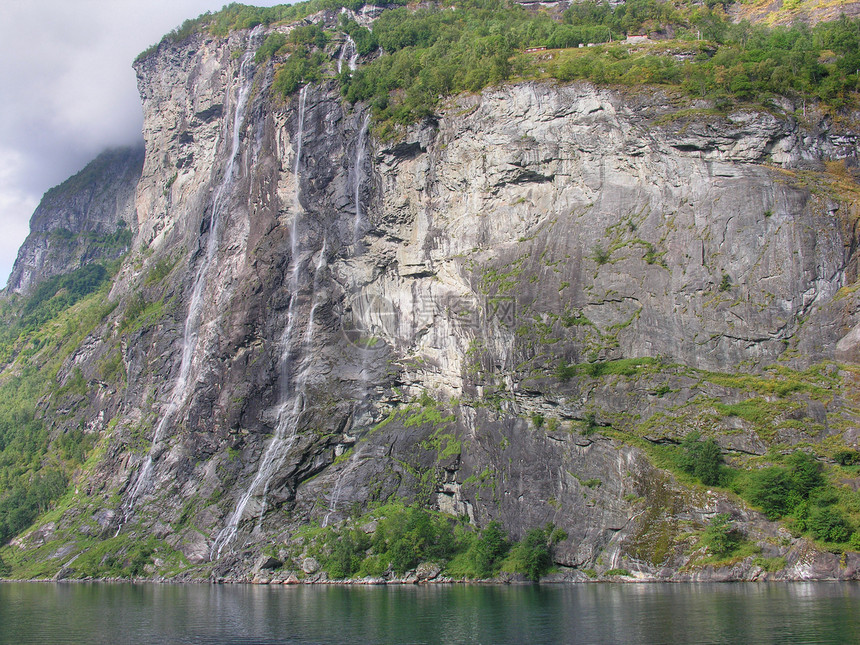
431, 575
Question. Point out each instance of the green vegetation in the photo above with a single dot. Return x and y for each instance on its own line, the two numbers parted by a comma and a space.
847, 457
600, 255
431, 52
306, 62
21, 317
397, 538
27, 498
702, 459
117, 557
484, 556
273, 43
238, 16
302, 66
38, 333
779, 491
589, 424
797, 491
726, 545
598, 369
532, 556
119, 240
721, 537
159, 271
770, 564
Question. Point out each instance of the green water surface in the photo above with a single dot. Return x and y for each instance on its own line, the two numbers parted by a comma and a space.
586, 613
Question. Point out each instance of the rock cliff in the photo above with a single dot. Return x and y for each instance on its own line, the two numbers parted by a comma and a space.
88, 217
500, 314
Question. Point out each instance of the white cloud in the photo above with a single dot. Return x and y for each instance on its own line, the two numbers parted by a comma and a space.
69, 91
12, 202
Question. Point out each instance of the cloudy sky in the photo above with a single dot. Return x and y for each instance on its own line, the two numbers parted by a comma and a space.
67, 91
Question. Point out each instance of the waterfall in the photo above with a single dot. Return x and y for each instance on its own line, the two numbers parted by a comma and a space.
318, 272
352, 62
338, 487
358, 222
295, 250
290, 399
195, 308
358, 225
360, 152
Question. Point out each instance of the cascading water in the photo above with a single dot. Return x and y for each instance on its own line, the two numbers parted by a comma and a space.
338, 487
350, 49
318, 272
357, 232
290, 399
192, 322
358, 226
353, 60
360, 152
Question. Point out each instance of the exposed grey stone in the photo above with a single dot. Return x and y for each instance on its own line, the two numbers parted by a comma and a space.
427, 571
520, 227
310, 565
268, 562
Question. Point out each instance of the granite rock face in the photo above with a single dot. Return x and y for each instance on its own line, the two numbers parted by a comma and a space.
88, 217
339, 320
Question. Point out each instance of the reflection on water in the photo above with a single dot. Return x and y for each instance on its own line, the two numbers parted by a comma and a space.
588, 613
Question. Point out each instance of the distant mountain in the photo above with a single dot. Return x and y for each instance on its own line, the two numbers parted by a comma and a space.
88, 217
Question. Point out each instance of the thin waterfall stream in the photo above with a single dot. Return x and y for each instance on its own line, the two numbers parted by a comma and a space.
348, 48
191, 332
360, 154
290, 399
318, 271
353, 60
358, 249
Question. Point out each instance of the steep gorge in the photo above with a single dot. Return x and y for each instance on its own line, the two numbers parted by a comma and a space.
499, 314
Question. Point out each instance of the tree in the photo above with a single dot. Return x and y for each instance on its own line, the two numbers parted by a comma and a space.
533, 554
721, 535
805, 473
701, 459
490, 549
771, 489
707, 466
828, 523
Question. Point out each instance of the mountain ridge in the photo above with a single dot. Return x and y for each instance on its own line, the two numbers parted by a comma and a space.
87, 218
537, 306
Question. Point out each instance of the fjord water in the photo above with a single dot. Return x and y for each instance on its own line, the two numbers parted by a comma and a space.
589, 613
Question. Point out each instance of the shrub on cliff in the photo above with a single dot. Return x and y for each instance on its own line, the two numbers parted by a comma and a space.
721, 536
409, 536
303, 66
346, 551
770, 488
484, 554
532, 555
406, 536
490, 550
702, 459
828, 524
